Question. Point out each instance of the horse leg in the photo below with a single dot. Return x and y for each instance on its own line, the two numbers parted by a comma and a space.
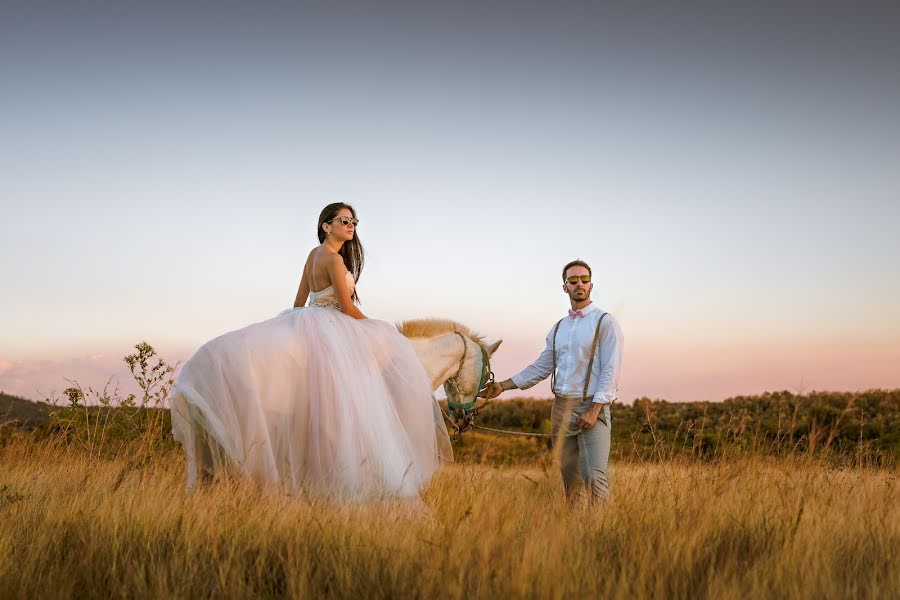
203, 455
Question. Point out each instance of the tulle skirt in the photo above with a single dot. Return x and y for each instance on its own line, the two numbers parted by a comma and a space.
314, 401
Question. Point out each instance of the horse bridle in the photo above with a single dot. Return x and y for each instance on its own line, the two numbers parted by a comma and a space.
464, 413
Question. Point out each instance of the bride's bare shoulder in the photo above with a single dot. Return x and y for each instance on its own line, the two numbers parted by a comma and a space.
322, 260
315, 256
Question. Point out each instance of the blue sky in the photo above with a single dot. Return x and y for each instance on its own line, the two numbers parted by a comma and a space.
729, 171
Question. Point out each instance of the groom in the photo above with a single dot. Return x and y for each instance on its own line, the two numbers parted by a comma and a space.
582, 358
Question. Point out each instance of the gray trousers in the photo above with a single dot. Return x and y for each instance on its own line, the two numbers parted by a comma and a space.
584, 458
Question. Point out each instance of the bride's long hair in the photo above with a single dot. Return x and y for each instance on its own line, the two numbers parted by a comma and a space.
352, 252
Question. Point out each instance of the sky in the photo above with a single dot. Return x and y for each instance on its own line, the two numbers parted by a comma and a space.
729, 170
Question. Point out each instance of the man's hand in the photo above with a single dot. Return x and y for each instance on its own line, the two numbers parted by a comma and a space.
589, 417
495, 389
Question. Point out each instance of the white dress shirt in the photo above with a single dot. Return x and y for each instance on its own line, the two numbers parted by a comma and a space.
573, 350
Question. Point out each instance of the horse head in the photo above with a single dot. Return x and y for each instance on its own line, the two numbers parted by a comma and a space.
457, 358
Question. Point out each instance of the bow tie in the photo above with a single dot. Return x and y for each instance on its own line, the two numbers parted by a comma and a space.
575, 313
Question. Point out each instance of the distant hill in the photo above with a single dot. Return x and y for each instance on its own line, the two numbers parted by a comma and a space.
19, 412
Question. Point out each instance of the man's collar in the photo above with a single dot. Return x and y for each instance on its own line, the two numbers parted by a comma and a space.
589, 308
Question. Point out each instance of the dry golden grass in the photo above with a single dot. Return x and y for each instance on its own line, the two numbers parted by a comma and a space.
71, 526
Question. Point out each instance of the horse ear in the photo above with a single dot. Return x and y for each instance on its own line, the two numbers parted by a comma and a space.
493, 347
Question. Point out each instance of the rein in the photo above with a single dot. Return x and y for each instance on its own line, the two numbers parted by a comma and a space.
464, 413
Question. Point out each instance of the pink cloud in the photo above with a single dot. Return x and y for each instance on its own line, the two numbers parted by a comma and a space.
46, 379
673, 372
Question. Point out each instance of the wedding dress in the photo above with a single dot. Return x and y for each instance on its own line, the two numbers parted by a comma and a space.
313, 400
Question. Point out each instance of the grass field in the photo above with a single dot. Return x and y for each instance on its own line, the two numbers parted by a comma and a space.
75, 525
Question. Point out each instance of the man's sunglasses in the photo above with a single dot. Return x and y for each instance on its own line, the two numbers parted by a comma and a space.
345, 221
573, 280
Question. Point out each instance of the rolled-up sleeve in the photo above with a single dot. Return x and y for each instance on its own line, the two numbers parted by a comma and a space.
539, 370
612, 344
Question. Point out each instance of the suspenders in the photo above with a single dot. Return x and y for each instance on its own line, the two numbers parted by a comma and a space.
587, 379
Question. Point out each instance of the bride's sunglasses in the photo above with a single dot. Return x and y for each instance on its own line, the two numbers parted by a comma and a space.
345, 221
573, 280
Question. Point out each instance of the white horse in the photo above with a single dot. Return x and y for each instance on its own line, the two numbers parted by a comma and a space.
452, 355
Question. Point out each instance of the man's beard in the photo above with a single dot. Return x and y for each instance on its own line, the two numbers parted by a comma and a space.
574, 295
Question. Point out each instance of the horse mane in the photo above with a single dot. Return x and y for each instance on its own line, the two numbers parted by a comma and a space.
429, 328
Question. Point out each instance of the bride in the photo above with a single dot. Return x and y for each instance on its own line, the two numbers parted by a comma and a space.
319, 399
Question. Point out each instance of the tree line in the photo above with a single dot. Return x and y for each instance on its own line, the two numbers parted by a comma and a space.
864, 425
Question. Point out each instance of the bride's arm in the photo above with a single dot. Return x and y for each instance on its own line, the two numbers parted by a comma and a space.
302, 291
337, 271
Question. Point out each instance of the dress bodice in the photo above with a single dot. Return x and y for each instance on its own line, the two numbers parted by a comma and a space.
326, 298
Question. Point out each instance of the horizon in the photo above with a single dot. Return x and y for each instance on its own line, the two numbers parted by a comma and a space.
59, 400
728, 172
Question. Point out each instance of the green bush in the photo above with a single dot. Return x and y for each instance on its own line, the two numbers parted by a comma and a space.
103, 423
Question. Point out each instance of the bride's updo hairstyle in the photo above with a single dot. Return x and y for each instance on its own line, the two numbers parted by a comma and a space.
352, 252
